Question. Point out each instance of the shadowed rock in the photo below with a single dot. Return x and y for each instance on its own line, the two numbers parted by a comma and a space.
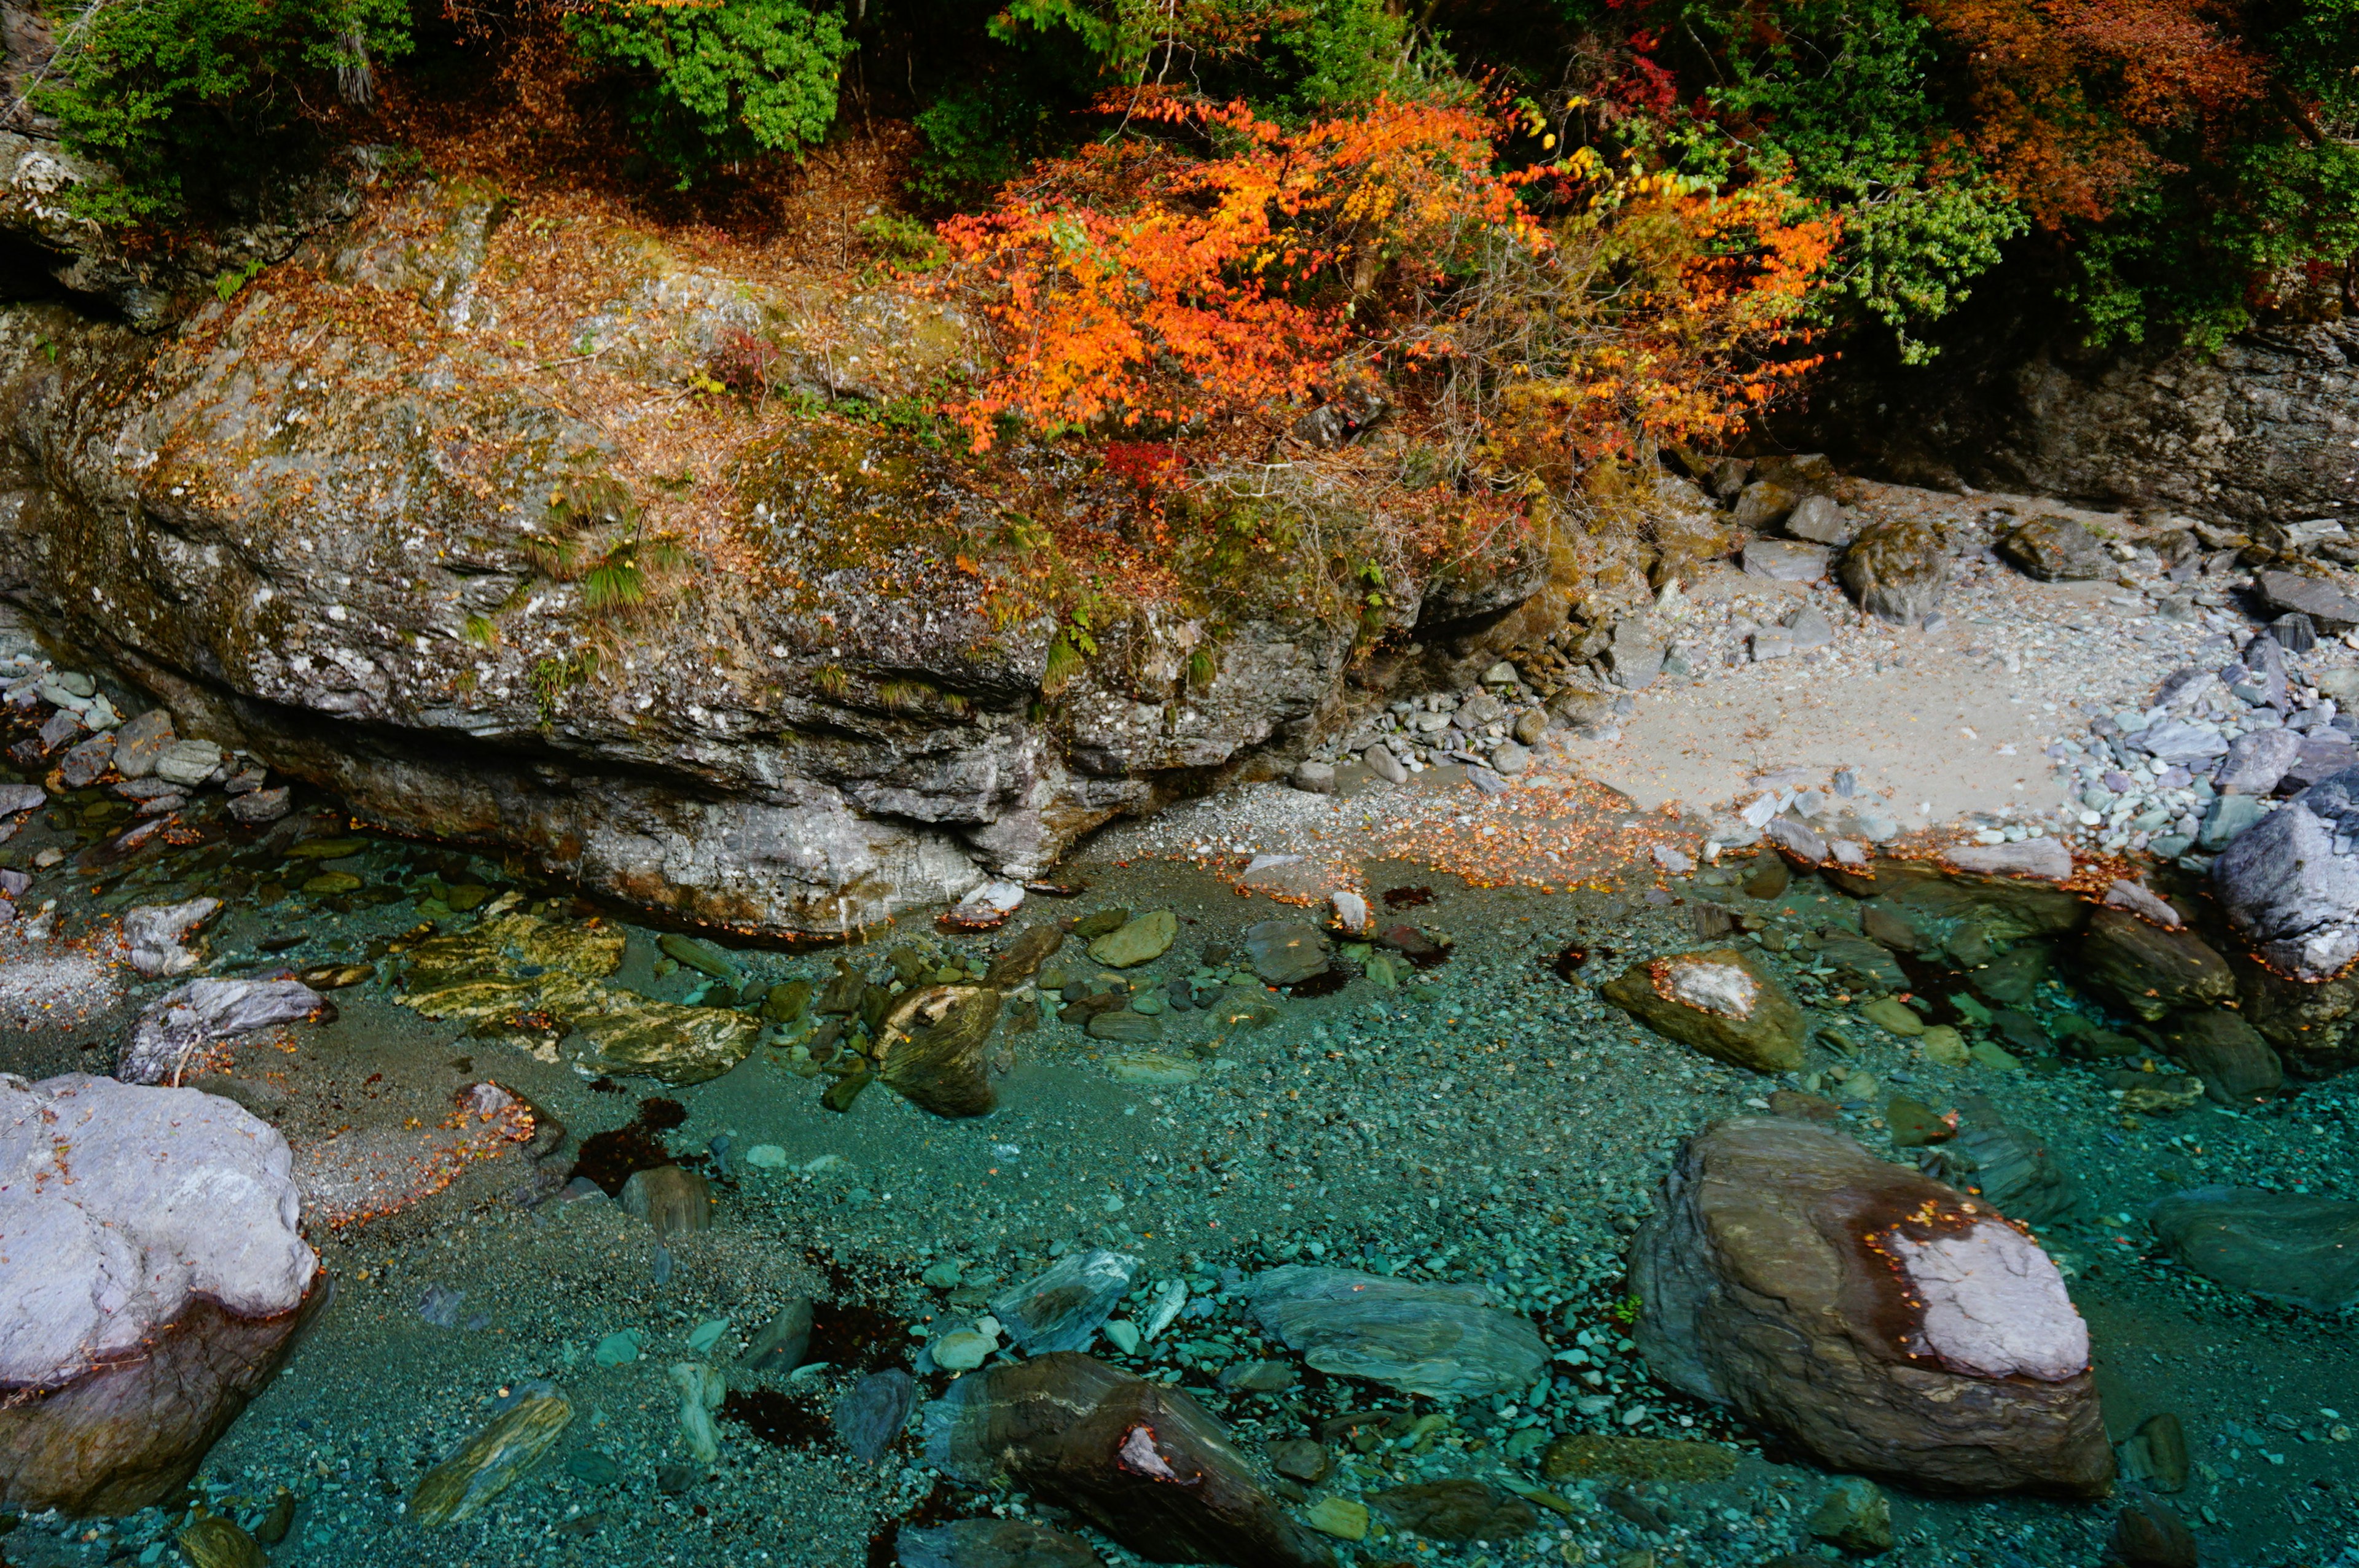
1880, 1320
2149, 970
1141, 1460
2289, 1247
992, 1544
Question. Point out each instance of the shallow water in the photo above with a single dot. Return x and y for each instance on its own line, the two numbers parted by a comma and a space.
1486, 1119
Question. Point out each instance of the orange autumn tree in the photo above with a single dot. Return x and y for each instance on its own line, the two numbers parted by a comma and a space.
1205, 265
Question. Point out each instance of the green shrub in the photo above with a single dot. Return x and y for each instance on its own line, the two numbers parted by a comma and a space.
718, 82
186, 99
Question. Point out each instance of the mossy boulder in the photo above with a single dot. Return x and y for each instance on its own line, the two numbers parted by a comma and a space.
1723, 1003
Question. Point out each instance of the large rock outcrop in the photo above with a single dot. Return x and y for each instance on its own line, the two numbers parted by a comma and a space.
1884, 1321
763, 667
152, 1282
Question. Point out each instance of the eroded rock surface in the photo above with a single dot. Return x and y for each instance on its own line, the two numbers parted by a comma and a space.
1879, 1319
372, 561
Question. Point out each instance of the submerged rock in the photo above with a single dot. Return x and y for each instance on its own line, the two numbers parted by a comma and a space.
991, 1543
1141, 1460
2148, 970
674, 1202
1723, 1003
150, 1285
157, 932
172, 1031
1460, 1510
1142, 939
873, 1412
1881, 1321
784, 1341
1443, 1340
2228, 1054
2287, 1247
931, 1049
1062, 1308
1286, 951
493, 1460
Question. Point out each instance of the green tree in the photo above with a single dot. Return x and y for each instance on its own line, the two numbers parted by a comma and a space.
721, 82
187, 98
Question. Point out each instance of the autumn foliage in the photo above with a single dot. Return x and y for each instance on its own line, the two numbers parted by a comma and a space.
1207, 269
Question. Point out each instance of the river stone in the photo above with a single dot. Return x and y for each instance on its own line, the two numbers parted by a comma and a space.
1785, 560
1820, 520
259, 805
2286, 1247
1580, 1457
634, 1035
149, 1286
784, 1341
1854, 1516
155, 932
1723, 1003
2046, 858
1381, 761
2229, 1055
932, 1049
1022, 957
701, 956
2257, 762
172, 1031
1141, 1460
873, 1412
1285, 952
674, 1202
1142, 939
1862, 964
188, 763
80, 766
2332, 611
2055, 549
2150, 972
2289, 884
1459, 1509
1062, 1308
211, 1541
2014, 1173
1897, 571
1439, 1340
1761, 503
140, 740
991, 1543
493, 1459
1123, 1026
1883, 1322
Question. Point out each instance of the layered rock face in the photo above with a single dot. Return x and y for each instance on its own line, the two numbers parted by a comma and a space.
150, 1286
346, 520
2260, 431
1881, 1319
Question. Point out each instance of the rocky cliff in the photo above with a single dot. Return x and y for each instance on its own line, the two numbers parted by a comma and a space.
446, 514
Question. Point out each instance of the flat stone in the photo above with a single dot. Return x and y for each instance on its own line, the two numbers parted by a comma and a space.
80, 766
172, 1030
1142, 939
1580, 1457
1924, 1338
1785, 560
1721, 1001
2329, 609
1460, 1510
139, 742
2286, 1247
695, 953
1286, 952
188, 763
1061, 1309
1440, 1340
1914, 1124
2227, 818
2255, 763
991, 1543
1820, 520
1339, 1516
156, 934
1862, 964
2046, 858
1892, 1014
873, 1412
2181, 742
258, 807
1123, 1027
673, 1201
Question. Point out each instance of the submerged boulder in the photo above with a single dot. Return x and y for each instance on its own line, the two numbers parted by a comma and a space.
173, 1032
1723, 1003
1880, 1320
1440, 1340
932, 1049
2289, 1247
1141, 1460
153, 1281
